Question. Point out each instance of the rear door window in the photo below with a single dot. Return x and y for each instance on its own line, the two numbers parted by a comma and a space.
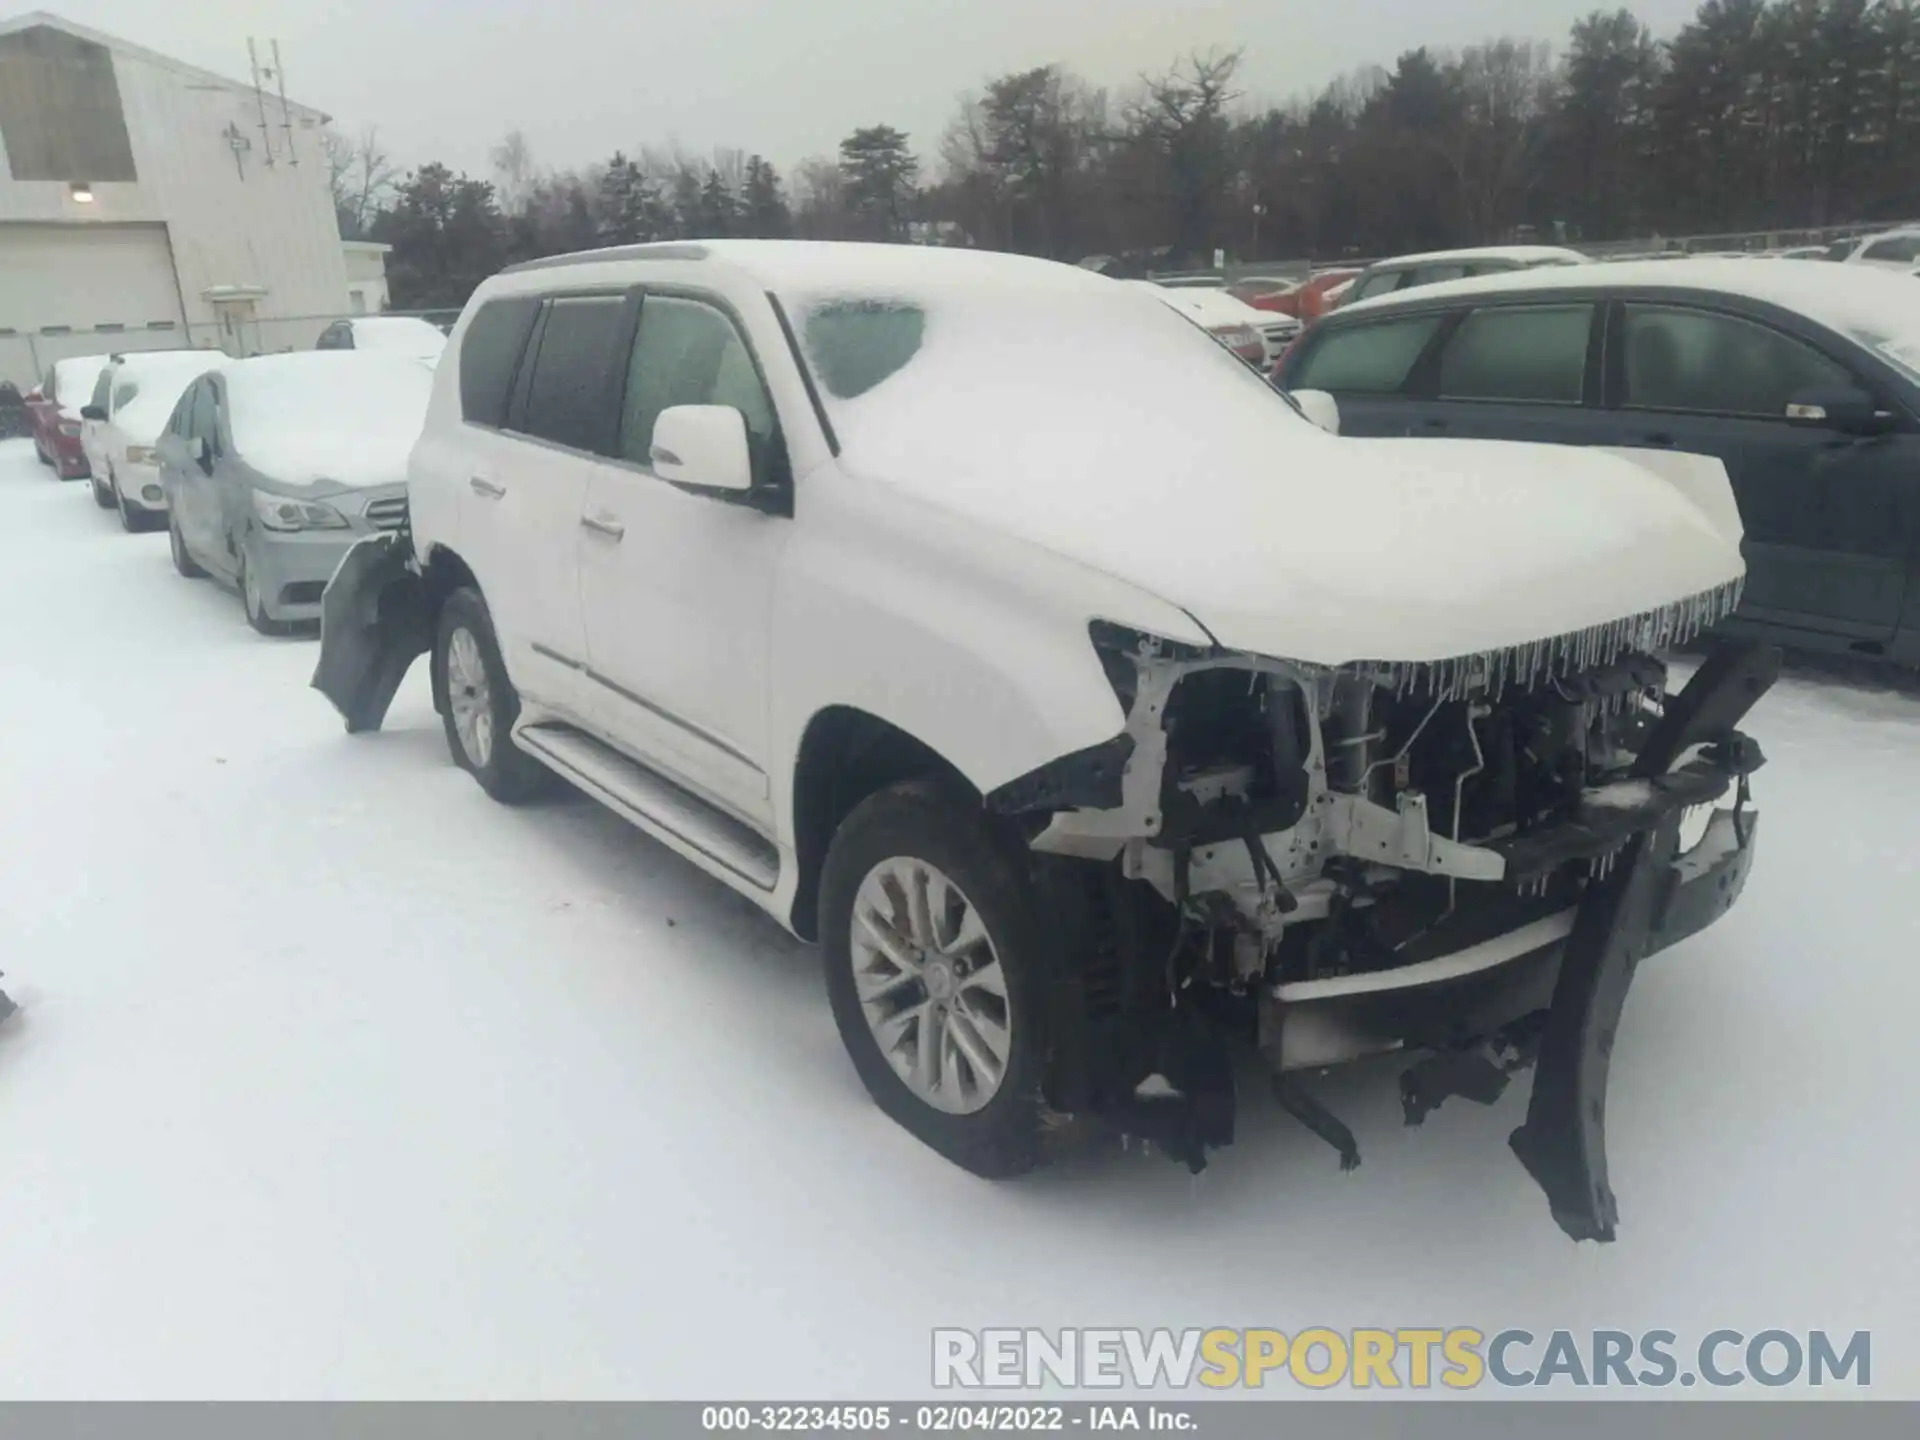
1902, 249
1379, 283
1700, 361
1371, 359
688, 352
489, 356
1533, 353
570, 397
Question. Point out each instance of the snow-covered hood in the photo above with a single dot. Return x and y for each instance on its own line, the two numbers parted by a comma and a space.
1182, 473
1329, 549
1433, 549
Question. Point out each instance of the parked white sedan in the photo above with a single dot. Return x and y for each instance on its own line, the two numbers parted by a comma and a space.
132, 401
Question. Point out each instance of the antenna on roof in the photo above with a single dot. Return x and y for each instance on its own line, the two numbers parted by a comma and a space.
260, 98
286, 111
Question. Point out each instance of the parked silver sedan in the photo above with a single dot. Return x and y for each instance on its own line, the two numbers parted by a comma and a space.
274, 466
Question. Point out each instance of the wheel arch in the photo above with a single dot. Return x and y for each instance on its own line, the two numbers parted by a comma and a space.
845, 755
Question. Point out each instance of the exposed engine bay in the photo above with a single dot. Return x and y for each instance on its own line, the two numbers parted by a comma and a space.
1326, 863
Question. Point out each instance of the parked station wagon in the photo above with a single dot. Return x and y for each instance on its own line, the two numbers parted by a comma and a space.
1802, 379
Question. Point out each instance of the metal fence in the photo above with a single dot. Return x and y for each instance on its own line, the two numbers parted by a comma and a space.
25, 356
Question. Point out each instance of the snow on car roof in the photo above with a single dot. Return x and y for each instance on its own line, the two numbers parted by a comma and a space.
405, 334
1519, 254
1861, 300
346, 416
161, 378
1209, 307
75, 377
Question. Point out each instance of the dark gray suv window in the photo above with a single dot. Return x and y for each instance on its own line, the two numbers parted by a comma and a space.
1532, 353
489, 355
1372, 359
570, 397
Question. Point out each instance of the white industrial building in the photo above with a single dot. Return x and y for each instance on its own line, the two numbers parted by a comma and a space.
146, 204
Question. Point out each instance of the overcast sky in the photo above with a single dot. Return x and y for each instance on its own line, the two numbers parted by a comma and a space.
445, 79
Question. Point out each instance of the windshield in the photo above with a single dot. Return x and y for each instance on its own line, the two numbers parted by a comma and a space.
855, 344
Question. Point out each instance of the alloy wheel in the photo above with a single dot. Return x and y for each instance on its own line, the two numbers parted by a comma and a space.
470, 696
930, 985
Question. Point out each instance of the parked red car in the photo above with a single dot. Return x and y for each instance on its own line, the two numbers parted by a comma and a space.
1310, 300
55, 408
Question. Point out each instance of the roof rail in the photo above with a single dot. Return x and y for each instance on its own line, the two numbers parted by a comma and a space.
653, 250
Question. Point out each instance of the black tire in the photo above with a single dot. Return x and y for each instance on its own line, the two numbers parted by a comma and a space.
101, 495
923, 820
40, 454
506, 772
183, 561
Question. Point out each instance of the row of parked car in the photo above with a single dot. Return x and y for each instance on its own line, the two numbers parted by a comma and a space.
1803, 379
262, 470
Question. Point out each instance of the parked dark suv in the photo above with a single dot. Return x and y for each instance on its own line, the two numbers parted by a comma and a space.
1803, 379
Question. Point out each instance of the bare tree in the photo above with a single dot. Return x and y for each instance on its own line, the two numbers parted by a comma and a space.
515, 175
819, 199
362, 176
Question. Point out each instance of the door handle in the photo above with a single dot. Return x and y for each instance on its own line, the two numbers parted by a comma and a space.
1432, 423
486, 489
1661, 439
612, 529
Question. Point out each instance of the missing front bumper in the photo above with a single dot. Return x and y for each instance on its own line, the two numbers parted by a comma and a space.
1557, 1003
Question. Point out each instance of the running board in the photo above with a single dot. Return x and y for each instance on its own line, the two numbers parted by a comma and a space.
653, 803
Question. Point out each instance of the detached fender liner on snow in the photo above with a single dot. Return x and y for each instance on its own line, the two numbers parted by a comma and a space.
374, 623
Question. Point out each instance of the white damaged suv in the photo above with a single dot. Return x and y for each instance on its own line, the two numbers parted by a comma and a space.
1099, 721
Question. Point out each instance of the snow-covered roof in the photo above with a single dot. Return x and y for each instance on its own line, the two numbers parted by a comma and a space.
74, 379
1518, 254
35, 19
400, 335
1212, 308
162, 377
1857, 299
314, 416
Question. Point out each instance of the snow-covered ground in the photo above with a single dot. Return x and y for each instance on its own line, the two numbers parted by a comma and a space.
335, 1079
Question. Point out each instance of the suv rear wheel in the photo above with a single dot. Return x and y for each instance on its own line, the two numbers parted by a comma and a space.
933, 970
482, 704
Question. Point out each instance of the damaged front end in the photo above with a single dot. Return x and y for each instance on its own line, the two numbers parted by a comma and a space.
375, 621
1464, 861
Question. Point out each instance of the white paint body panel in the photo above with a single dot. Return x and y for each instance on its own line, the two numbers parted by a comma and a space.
941, 572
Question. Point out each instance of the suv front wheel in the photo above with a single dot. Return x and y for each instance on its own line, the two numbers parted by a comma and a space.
933, 970
481, 703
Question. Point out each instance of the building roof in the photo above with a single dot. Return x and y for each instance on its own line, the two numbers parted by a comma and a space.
35, 19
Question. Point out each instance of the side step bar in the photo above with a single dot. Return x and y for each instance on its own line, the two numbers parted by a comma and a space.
652, 802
